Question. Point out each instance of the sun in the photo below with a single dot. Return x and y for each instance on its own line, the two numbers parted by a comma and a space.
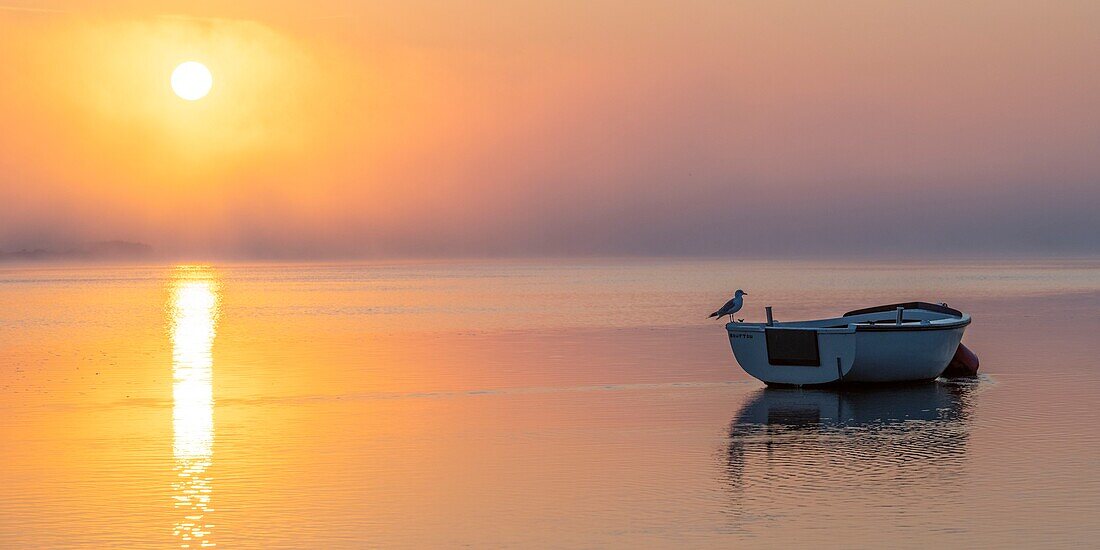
192, 80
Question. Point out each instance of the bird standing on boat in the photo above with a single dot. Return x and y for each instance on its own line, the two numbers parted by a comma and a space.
732, 306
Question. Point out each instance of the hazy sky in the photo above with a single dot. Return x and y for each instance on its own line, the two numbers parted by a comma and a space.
343, 129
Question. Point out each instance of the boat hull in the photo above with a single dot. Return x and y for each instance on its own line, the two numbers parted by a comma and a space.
903, 356
861, 351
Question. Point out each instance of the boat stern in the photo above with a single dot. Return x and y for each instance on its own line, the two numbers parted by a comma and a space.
797, 356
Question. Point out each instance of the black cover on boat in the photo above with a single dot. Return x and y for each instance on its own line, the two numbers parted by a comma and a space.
792, 347
907, 305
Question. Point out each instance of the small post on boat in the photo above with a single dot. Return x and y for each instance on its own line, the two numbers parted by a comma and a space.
900, 310
768, 310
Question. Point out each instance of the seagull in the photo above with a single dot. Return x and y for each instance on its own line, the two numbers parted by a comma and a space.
732, 306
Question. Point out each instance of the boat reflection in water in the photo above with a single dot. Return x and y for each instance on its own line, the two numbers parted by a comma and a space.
815, 454
193, 315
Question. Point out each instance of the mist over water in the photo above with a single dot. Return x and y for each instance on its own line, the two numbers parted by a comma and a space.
505, 403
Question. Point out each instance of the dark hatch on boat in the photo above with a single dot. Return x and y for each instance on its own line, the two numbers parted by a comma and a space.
792, 347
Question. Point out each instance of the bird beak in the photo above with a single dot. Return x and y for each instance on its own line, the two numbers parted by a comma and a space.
745, 293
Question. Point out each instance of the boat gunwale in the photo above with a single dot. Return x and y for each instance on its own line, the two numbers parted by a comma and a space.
907, 306
955, 319
853, 327
904, 328
907, 328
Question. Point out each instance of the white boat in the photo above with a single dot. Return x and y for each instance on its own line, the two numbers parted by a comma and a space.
906, 342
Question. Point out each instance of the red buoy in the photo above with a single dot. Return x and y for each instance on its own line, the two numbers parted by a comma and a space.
964, 363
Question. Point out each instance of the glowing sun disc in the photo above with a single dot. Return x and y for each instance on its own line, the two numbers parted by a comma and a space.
192, 80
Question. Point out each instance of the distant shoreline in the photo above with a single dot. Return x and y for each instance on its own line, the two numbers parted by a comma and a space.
94, 252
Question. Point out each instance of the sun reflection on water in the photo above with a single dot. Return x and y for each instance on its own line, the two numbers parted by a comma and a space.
193, 316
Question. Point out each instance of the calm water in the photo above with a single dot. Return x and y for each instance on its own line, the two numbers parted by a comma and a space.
583, 404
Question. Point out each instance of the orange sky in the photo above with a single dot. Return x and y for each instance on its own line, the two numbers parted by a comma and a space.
425, 128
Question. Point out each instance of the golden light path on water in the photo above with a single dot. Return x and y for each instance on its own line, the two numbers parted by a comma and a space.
193, 317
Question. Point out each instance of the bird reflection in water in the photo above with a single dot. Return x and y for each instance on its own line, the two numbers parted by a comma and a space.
807, 447
193, 317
